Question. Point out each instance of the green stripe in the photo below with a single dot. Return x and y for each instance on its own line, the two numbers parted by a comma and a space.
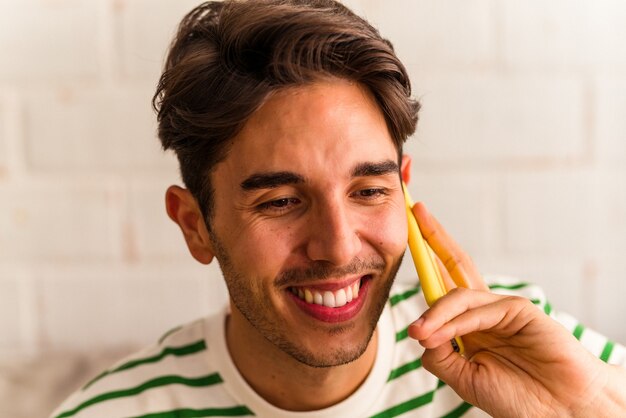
578, 331
395, 299
608, 349
150, 384
235, 411
399, 409
548, 308
395, 373
401, 335
508, 286
409, 405
168, 333
461, 410
174, 351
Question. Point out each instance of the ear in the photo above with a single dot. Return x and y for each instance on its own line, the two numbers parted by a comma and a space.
405, 168
183, 209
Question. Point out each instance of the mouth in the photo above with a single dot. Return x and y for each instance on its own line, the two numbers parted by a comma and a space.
330, 303
328, 298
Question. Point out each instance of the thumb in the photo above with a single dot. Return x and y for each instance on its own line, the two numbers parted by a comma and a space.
451, 367
443, 362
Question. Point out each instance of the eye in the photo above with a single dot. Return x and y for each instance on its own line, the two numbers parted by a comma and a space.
279, 205
372, 193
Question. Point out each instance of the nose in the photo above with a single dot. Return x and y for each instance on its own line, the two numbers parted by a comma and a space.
333, 236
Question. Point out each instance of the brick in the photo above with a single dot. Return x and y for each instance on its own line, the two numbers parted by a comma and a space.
49, 40
10, 314
561, 278
429, 34
156, 236
143, 42
53, 221
608, 299
537, 35
552, 214
10, 132
610, 125
112, 305
607, 20
100, 129
3, 139
488, 119
609, 221
576, 213
18, 303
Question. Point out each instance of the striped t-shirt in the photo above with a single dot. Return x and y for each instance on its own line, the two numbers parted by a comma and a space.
189, 372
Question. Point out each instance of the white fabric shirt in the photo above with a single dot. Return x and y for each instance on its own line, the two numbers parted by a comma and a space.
189, 372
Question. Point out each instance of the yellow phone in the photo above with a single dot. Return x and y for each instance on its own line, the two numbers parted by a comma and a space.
430, 278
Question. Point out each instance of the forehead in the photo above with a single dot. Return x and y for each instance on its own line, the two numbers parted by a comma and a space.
329, 125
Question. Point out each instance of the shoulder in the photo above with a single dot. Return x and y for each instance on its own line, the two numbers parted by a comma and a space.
157, 379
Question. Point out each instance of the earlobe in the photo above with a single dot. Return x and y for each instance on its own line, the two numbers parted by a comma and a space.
405, 168
183, 209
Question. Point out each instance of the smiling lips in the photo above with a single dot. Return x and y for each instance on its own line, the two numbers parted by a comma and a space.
330, 299
335, 305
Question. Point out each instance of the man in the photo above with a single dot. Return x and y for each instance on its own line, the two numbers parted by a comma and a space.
288, 119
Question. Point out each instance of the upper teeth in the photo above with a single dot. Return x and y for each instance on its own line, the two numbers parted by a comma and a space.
327, 298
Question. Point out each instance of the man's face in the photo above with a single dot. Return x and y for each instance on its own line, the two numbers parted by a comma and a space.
309, 224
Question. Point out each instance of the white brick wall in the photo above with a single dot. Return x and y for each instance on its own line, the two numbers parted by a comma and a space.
156, 237
120, 304
520, 151
10, 314
610, 123
487, 117
3, 139
48, 41
545, 213
55, 220
553, 36
468, 41
92, 128
144, 30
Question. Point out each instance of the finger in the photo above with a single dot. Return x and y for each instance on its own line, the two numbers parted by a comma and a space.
455, 303
462, 270
451, 283
445, 275
452, 368
445, 363
502, 318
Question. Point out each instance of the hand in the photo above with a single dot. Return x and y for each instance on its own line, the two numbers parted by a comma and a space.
517, 361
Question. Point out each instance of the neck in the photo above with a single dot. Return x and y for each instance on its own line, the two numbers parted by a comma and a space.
285, 382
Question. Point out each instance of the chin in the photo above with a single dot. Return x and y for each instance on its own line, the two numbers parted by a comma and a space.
329, 355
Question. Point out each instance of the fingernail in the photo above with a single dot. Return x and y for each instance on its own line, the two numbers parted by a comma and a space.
419, 322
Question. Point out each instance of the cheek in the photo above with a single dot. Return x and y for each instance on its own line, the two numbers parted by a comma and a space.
263, 250
388, 231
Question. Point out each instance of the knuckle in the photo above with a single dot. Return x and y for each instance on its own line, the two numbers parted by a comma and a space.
519, 302
428, 237
460, 291
453, 262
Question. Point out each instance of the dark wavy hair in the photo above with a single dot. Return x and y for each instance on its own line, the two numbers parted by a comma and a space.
228, 56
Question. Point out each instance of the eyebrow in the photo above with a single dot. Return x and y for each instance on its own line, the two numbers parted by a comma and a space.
375, 169
271, 180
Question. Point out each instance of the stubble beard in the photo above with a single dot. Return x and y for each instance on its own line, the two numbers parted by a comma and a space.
253, 308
